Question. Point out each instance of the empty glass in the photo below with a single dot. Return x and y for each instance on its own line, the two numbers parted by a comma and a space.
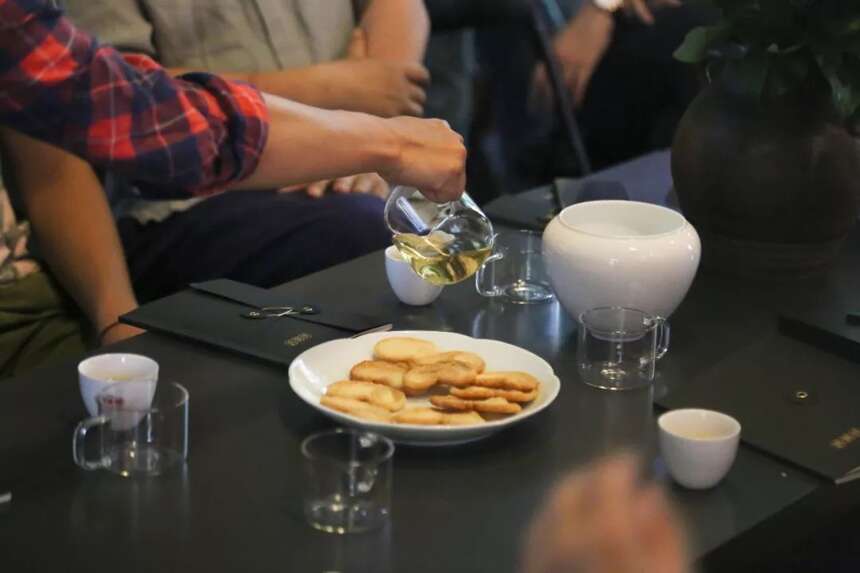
515, 272
347, 480
444, 243
138, 436
619, 347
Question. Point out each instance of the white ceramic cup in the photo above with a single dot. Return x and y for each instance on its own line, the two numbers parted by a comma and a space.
698, 446
406, 284
97, 373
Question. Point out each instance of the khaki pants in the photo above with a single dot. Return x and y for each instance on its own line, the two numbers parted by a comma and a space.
37, 323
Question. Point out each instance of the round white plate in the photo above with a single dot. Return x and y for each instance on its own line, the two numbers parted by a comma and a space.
317, 367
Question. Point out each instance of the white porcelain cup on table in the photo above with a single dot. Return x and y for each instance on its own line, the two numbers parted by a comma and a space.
97, 373
699, 446
406, 284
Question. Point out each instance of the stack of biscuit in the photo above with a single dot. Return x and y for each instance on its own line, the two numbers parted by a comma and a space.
461, 392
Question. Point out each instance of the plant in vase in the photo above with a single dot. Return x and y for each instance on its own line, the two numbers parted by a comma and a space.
765, 161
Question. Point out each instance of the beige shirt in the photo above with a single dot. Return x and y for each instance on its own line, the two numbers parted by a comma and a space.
217, 35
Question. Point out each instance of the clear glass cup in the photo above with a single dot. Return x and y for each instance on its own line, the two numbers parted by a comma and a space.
138, 436
619, 347
444, 243
515, 272
347, 480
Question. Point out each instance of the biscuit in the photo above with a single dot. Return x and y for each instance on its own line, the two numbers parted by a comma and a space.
468, 359
386, 397
490, 405
356, 408
420, 378
482, 393
462, 419
379, 371
421, 416
402, 349
508, 381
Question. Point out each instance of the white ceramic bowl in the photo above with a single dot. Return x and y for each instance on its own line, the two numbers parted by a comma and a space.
620, 253
331, 361
698, 446
407, 285
97, 373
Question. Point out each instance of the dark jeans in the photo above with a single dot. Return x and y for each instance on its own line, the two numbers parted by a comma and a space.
259, 237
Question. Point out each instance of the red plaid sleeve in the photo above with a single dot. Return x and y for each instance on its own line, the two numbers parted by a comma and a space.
170, 136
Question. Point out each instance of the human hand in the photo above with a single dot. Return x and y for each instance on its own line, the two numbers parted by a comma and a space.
601, 521
432, 158
579, 48
378, 87
365, 183
644, 9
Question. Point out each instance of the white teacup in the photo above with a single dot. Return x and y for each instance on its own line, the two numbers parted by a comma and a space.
698, 446
406, 284
97, 373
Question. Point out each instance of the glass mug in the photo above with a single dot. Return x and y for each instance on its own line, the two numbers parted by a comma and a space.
444, 243
137, 437
619, 347
515, 272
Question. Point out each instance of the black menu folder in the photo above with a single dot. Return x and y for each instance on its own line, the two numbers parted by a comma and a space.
214, 320
793, 402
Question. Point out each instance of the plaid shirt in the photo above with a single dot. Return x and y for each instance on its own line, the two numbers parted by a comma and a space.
171, 136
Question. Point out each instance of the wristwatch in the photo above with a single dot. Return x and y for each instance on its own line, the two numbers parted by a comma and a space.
608, 5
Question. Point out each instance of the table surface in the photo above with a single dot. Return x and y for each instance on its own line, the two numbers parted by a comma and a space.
236, 505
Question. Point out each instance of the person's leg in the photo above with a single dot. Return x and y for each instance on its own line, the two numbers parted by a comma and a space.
38, 323
262, 238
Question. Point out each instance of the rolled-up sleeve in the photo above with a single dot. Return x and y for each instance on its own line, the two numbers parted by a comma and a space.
194, 134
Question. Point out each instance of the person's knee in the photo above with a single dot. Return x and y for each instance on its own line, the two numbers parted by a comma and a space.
356, 222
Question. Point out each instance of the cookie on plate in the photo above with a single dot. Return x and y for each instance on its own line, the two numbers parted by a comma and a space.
380, 372
356, 408
386, 397
402, 349
489, 406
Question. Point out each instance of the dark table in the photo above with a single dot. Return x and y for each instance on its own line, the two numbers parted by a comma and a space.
236, 506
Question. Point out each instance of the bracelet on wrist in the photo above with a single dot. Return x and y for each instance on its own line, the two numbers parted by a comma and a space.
107, 329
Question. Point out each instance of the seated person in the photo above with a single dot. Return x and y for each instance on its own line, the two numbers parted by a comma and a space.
267, 237
70, 300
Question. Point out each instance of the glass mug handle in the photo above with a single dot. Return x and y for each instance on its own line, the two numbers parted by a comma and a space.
79, 440
480, 280
663, 337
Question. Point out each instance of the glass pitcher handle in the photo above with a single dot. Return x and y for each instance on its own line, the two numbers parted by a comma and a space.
79, 441
480, 280
663, 337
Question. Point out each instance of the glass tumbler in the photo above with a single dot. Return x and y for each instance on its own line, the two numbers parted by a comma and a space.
347, 480
619, 347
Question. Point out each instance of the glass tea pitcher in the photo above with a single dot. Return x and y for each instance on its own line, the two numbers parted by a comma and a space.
444, 243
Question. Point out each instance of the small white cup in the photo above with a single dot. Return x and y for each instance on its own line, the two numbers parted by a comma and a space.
406, 284
97, 373
698, 446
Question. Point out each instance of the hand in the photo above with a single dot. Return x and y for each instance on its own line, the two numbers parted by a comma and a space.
382, 88
643, 9
579, 48
601, 521
432, 158
365, 183
117, 332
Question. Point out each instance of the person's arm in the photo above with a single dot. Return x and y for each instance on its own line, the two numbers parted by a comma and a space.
321, 144
396, 30
69, 214
60, 85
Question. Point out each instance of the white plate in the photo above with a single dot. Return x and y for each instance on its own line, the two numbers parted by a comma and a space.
317, 367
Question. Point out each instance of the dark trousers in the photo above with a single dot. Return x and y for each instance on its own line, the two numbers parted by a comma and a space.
261, 237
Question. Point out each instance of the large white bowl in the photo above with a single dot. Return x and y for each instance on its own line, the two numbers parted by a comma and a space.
317, 367
621, 253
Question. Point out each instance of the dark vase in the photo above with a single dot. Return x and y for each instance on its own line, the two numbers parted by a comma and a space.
771, 188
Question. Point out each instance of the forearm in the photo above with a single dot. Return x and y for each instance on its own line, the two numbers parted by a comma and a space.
396, 29
310, 144
69, 214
